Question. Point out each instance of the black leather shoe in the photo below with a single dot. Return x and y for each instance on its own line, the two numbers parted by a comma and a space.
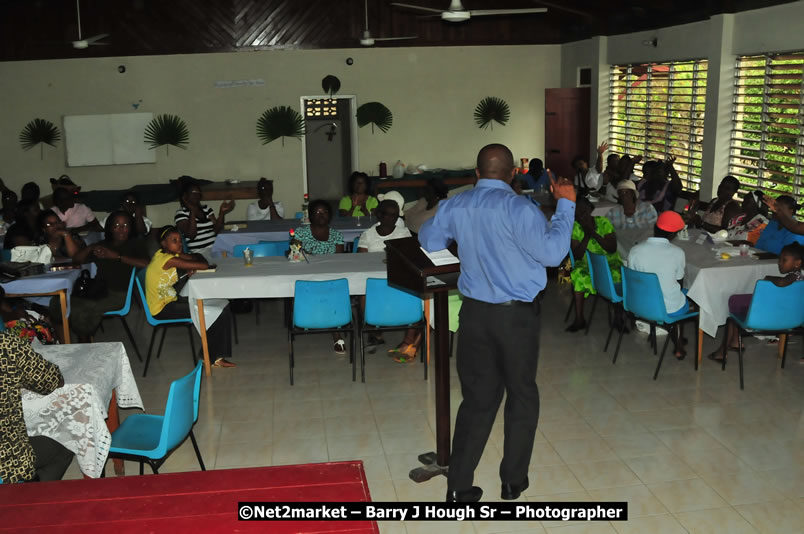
513, 491
470, 495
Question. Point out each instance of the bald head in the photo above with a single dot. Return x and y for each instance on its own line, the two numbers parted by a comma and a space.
495, 161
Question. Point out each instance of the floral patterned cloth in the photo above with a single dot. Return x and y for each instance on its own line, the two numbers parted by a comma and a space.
30, 329
312, 245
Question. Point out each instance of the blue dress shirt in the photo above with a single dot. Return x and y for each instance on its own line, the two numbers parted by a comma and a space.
533, 182
504, 241
775, 237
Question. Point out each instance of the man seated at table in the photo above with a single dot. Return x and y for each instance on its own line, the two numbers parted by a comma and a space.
775, 236
197, 222
76, 217
631, 213
659, 256
265, 209
24, 458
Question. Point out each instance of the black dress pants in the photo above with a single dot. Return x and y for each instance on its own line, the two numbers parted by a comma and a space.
51, 458
219, 333
498, 351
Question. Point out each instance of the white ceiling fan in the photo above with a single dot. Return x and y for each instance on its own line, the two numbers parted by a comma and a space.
81, 43
368, 40
457, 13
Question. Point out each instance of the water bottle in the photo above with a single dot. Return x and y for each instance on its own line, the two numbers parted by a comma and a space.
306, 209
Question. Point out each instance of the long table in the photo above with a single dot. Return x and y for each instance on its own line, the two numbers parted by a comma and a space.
196, 501
276, 278
250, 232
82, 414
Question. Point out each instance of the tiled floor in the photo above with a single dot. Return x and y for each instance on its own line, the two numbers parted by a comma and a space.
690, 452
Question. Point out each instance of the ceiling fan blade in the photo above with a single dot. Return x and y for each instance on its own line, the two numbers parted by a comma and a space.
396, 38
420, 8
99, 44
91, 40
483, 12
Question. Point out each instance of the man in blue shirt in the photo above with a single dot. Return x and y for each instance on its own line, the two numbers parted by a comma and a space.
536, 176
504, 244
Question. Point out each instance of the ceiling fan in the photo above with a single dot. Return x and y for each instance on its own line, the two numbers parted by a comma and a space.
368, 40
81, 43
457, 13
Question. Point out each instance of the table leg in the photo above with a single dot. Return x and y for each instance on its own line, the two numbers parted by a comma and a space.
112, 423
700, 345
64, 320
426, 340
782, 341
202, 325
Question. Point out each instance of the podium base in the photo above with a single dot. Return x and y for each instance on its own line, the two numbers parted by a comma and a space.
429, 470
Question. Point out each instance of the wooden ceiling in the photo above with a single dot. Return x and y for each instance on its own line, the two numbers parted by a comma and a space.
43, 29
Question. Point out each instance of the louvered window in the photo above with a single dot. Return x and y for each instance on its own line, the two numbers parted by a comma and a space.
767, 142
657, 110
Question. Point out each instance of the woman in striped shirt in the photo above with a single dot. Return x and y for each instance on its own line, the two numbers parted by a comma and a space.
197, 221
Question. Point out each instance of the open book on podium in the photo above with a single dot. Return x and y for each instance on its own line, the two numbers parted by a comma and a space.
413, 269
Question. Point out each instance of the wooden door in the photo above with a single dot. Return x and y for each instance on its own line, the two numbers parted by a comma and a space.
566, 125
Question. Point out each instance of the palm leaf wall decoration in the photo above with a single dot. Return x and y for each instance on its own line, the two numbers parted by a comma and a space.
167, 130
375, 114
492, 109
331, 85
280, 121
39, 132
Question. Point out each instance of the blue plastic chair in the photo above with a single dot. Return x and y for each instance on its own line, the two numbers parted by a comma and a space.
6, 255
164, 324
321, 307
299, 215
152, 438
354, 244
122, 312
263, 249
605, 287
773, 310
642, 296
387, 309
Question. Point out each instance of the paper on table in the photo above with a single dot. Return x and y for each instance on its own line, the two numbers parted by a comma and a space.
441, 257
432, 281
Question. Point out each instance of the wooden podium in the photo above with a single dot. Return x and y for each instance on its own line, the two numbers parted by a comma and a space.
411, 270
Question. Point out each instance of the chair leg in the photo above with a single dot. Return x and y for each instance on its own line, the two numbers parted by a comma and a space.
664, 349
740, 356
361, 333
153, 467
653, 338
784, 350
591, 314
619, 340
352, 354
234, 328
290, 355
142, 468
571, 307
150, 351
608, 338
161, 342
725, 341
131, 337
197, 452
190, 328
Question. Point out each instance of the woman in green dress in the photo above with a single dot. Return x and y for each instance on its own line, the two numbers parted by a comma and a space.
595, 234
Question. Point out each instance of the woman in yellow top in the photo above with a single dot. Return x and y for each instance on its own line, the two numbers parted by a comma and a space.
161, 278
358, 203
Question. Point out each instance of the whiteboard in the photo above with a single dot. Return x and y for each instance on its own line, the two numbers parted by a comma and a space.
114, 139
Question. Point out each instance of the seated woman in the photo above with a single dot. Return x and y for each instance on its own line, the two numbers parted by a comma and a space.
114, 258
721, 210
749, 224
265, 209
595, 234
434, 192
775, 236
318, 237
790, 265
24, 231
63, 244
358, 203
130, 203
655, 186
26, 320
163, 302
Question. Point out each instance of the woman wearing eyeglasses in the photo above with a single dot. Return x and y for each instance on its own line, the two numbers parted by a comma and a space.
130, 202
114, 257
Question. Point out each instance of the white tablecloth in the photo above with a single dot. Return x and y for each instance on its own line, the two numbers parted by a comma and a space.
256, 231
276, 277
75, 415
712, 281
